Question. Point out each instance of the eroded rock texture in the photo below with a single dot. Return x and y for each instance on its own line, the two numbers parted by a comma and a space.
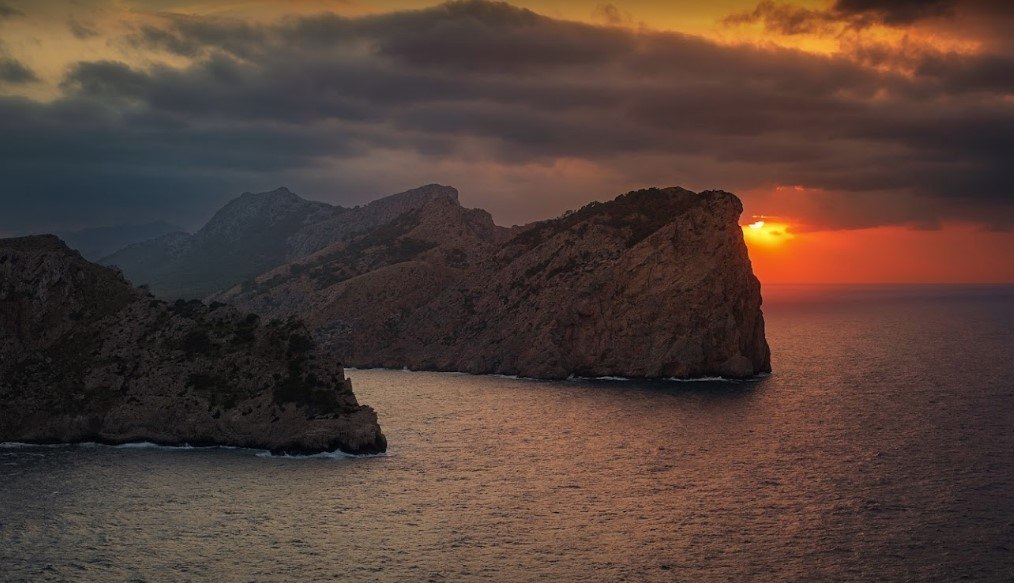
86, 357
653, 284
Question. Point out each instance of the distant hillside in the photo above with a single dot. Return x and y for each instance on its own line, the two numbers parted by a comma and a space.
95, 243
253, 234
656, 283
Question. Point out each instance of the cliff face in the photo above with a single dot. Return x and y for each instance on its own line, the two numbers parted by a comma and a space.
341, 226
86, 357
656, 283
254, 233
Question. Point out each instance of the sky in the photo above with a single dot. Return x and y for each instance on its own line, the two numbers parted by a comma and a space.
870, 140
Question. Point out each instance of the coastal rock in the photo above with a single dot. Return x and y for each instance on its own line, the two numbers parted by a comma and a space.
86, 357
656, 283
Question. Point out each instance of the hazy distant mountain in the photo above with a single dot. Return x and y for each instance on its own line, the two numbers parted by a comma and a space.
97, 242
253, 234
86, 357
656, 283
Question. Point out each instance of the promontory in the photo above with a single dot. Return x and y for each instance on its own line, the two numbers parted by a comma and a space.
656, 283
86, 357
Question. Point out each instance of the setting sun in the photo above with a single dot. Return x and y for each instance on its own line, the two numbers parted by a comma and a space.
767, 234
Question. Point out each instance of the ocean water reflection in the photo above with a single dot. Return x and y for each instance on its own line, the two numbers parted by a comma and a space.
880, 449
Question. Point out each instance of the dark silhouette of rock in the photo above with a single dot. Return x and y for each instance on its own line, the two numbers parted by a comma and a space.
656, 283
86, 357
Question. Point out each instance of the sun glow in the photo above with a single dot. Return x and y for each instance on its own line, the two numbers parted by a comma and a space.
767, 234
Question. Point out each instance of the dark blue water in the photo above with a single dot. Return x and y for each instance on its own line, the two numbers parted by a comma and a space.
881, 449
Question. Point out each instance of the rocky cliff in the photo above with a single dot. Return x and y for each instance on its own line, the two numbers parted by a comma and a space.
86, 357
656, 283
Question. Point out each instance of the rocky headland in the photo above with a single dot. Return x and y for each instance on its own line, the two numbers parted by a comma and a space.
86, 357
656, 283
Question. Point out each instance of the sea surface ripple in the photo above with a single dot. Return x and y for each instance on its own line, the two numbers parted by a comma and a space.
880, 449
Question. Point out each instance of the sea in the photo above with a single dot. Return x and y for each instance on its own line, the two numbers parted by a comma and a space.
881, 448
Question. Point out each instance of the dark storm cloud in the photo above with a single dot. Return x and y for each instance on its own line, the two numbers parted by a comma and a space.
895, 12
192, 36
9, 11
610, 14
14, 72
786, 18
81, 30
958, 73
489, 84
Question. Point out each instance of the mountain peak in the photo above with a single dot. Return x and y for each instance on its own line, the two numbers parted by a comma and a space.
417, 196
438, 190
280, 193
258, 209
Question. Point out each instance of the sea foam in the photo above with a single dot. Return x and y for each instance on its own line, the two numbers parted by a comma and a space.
337, 454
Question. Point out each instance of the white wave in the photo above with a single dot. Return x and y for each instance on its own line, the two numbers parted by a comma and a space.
671, 379
514, 377
754, 378
334, 455
150, 445
184, 447
19, 445
337, 454
130, 445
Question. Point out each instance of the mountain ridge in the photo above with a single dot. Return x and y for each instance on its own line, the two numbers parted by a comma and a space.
97, 242
251, 234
